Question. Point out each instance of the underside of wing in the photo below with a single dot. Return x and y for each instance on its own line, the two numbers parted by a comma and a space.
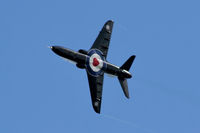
96, 84
102, 41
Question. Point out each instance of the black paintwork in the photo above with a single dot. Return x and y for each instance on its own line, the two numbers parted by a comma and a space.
96, 82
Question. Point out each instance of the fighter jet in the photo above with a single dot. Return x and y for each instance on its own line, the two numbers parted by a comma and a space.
95, 63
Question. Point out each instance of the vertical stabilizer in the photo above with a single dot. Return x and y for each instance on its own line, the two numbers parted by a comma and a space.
126, 74
128, 63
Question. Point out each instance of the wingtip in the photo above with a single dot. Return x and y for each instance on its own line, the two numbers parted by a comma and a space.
97, 110
128, 97
97, 107
110, 21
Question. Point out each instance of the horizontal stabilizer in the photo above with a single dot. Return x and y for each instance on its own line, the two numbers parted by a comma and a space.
124, 85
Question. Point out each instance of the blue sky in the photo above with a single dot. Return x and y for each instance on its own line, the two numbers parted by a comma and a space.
40, 92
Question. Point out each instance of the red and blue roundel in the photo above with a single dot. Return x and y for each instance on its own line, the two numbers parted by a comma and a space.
95, 62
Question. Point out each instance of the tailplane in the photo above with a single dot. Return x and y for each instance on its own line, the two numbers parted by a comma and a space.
123, 78
124, 85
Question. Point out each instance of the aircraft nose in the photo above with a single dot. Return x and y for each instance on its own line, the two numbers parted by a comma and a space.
51, 47
55, 49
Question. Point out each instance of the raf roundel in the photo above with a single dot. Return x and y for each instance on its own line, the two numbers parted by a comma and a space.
95, 62
107, 27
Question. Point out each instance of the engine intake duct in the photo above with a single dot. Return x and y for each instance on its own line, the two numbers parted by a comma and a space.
82, 51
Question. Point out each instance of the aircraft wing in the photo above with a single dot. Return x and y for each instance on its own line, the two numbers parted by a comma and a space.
102, 41
96, 84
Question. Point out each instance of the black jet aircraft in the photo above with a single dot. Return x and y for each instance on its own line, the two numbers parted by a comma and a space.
95, 63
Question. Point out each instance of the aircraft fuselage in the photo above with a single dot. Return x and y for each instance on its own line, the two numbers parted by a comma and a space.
92, 60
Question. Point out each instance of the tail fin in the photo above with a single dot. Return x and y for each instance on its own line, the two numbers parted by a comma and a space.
124, 86
128, 63
123, 81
